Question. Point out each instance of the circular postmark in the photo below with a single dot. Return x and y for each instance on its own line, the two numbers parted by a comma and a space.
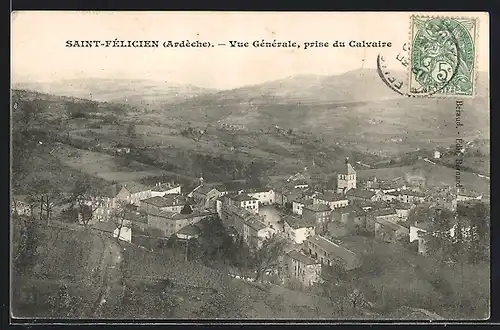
438, 60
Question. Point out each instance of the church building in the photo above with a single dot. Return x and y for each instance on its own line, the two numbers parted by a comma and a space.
346, 179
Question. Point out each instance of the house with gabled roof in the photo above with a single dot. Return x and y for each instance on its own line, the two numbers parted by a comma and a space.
297, 229
331, 199
386, 213
206, 195
330, 253
389, 231
410, 196
351, 217
302, 268
165, 188
169, 203
242, 200
364, 195
319, 214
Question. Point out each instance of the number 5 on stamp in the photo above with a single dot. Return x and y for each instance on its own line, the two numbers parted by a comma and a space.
443, 56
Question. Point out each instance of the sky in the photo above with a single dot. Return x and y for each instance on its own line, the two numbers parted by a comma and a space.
39, 53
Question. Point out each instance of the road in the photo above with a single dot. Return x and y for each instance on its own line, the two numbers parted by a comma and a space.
272, 216
112, 289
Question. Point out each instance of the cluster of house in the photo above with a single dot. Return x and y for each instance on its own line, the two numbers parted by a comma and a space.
319, 220
314, 226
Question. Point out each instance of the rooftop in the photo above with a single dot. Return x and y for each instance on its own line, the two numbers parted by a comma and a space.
134, 187
390, 225
165, 201
361, 193
234, 186
351, 208
348, 169
164, 186
412, 193
317, 207
242, 197
330, 196
180, 216
298, 222
302, 258
384, 212
205, 189
351, 259
189, 230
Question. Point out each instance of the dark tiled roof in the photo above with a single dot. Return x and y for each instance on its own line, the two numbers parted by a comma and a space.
134, 187
205, 189
350, 258
348, 169
317, 207
361, 193
390, 225
384, 212
298, 222
237, 186
164, 186
165, 201
189, 230
351, 209
331, 197
242, 197
302, 258
180, 216
412, 193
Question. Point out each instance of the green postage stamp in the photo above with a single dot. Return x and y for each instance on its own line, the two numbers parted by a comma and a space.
443, 56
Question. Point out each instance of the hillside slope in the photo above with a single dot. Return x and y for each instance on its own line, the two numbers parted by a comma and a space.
134, 92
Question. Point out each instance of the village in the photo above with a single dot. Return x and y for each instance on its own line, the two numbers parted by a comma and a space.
313, 223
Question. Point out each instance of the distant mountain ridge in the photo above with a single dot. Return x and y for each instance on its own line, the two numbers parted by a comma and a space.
133, 91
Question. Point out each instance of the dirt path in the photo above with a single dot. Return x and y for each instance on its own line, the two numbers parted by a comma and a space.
111, 290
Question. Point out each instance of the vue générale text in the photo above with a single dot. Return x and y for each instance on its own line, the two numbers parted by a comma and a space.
116, 43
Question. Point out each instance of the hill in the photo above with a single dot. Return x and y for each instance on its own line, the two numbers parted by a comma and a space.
354, 109
134, 92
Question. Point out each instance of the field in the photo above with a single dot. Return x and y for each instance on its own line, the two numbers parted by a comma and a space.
107, 167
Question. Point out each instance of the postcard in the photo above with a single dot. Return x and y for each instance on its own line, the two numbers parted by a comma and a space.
266, 166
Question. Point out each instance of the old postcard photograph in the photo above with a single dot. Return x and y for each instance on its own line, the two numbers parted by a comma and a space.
250, 166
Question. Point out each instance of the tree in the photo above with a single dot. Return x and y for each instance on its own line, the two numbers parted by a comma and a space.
267, 257
85, 200
47, 197
214, 243
343, 292
119, 216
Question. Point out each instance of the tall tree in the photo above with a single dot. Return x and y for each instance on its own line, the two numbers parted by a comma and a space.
47, 195
85, 199
267, 256
119, 217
